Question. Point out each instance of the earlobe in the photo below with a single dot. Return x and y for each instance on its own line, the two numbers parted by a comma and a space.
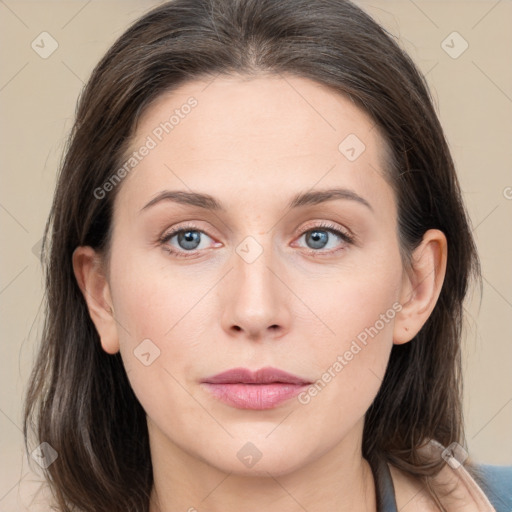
90, 276
421, 285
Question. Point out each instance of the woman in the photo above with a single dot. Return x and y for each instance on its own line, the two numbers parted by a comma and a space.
258, 255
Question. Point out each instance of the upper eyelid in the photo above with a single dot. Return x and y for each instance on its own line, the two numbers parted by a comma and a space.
327, 225
320, 225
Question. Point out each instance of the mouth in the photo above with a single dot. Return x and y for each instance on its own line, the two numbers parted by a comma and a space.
263, 389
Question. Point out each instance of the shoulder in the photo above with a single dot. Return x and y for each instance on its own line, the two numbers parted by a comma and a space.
410, 493
496, 483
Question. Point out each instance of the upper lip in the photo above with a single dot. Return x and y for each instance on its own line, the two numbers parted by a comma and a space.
263, 376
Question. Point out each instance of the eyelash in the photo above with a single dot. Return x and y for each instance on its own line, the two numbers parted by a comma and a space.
331, 228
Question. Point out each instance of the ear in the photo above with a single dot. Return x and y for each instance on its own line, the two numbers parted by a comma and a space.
91, 278
421, 285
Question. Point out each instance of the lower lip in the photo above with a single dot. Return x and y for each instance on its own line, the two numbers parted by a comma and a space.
254, 396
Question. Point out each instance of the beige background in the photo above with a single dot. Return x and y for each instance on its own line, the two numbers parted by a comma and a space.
473, 94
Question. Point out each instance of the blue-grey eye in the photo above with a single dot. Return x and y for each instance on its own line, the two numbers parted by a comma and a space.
318, 238
185, 240
188, 240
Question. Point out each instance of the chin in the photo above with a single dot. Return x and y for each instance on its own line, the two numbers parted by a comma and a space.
259, 459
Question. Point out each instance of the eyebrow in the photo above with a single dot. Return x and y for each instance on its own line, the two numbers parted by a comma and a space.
208, 202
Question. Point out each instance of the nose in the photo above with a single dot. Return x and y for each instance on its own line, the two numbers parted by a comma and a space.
255, 300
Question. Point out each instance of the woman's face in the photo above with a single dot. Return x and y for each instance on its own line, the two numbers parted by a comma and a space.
257, 281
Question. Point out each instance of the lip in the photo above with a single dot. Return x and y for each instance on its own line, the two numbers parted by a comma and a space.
263, 389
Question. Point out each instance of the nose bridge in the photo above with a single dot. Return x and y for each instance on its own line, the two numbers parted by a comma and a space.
256, 303
252, 263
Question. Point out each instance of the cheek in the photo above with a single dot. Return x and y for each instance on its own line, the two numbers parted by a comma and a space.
160, 318
351, 354
161, 350
151, 301
355, 299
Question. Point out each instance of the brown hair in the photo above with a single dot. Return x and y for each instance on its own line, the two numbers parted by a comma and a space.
101, 437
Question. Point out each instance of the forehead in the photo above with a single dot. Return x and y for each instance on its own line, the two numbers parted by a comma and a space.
264, 134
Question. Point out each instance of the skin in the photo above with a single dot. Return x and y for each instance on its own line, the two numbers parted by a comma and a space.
253, 144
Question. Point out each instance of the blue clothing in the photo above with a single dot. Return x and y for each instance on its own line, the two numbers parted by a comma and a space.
495, 482
497, 486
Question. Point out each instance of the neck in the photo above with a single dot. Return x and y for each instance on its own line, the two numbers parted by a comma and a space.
339, 480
